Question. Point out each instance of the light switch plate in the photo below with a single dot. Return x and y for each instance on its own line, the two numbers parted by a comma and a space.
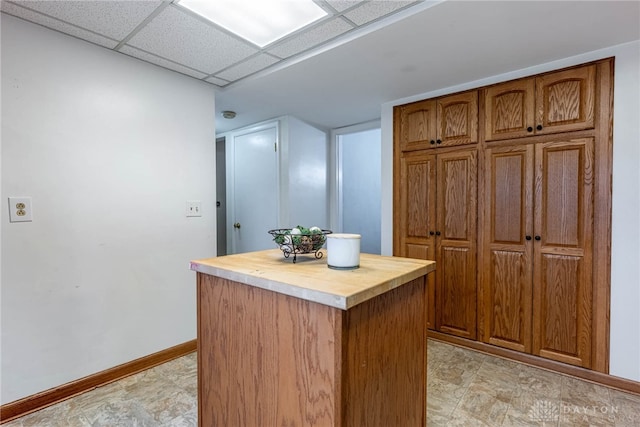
20, 209
194, 208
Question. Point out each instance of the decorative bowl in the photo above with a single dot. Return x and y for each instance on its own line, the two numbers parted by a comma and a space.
304, 241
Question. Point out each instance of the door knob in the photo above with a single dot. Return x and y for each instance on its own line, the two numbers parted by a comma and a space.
236, 225
437, 233
528, 237
537, 237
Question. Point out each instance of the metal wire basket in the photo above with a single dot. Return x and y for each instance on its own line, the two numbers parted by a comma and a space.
302, 243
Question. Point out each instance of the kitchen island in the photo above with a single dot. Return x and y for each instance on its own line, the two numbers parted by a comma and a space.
283, 344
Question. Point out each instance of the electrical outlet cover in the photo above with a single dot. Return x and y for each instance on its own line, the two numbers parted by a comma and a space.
20, 209
194, 208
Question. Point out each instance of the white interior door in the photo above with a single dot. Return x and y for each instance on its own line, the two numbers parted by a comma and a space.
255, 189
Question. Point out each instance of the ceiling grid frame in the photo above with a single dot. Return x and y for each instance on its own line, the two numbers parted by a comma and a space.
150, 38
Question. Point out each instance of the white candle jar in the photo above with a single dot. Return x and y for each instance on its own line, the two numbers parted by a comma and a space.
343, 251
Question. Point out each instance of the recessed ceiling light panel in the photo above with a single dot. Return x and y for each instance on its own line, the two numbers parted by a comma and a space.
261, 22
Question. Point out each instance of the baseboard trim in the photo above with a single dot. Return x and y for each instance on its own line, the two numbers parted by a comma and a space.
600, 378
24, 406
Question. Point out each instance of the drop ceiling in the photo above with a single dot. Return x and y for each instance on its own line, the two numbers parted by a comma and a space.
169, 35
338, 71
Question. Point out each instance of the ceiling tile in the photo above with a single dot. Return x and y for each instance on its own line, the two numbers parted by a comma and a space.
114, 19
372, 10
250, 66
140, 54
181, 37
311, 38
54, 24
342, 5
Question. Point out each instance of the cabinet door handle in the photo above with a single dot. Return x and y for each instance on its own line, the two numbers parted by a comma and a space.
236, 225
432, 142
437, 233
431, 233
528, 237
539, 127
439, 141
529, 129
537, 237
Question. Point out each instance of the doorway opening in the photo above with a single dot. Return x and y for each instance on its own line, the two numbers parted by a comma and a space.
358, 173
221, 197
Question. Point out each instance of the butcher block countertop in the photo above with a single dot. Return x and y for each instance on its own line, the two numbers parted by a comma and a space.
310, 279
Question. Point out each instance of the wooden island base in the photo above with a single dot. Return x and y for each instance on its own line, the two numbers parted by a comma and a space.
270, 359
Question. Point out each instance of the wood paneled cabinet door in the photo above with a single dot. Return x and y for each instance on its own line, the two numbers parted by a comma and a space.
456, 218
536, 284
447, 121
551, 103
563, 236
507, 254
417, 216
437, 220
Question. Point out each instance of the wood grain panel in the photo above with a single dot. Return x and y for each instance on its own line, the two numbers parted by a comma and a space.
457, 188
507, 173
565, 100
387, 390
602, 215
255, 367
562, 193
458, 119
509, 110
506, 277
417, 127
510, 290
456, 243
426, 252
268, 359
418, 174
455, 295
565, 306
563, 219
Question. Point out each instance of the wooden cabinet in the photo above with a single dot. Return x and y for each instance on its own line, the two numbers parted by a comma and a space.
563, 227
437, 220
507, 253
537, 254
551, 103
417, 184
534, 275
447, 121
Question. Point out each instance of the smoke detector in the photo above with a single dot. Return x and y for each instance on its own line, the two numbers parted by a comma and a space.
228, 114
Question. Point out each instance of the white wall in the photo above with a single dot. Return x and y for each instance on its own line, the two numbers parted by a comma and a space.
109, 148
306, 175
625, 268
359, 187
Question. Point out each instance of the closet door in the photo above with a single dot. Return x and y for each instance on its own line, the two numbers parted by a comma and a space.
563, 228
509, 110
418, 216
506, 274
416, 125
456, 243
458, 119
565, 101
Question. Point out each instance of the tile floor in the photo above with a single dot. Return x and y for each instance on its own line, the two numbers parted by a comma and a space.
465, 388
